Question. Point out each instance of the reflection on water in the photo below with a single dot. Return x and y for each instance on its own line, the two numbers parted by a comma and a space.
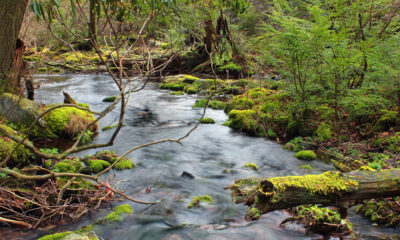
154, 114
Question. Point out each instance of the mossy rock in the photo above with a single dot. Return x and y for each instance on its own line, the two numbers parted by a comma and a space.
201, 103
207, 121
197, 200
118, 214
251, 165
21, 156
110, 99
217, 105
97, 165
306, 155
178, 93
68, 165
173, 86
191, 89
24, 111
124, 164
243, 119
183, 78
240, 103
68, 122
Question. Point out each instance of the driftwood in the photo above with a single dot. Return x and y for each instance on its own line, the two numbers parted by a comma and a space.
264, 195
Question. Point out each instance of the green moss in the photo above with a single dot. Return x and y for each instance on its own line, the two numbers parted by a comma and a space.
173, 86
200, 103
227, 123
75, 58
164, 46
21, 155
109, 127
124, 164
178, 93
197, 200
56, 236
218, 105
324, 184
118, 214
324, 132
207, 121
243, 119
231, 66
58, 121
240, 103
110, 99
68, 165
191, 89
307, 167
64, 167
97, 165
251, 165
189, 79
306, 155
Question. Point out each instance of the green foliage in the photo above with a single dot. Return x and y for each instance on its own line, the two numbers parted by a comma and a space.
271, 134
49, 150
362, 105
384, 212
324, 132
296, 144
306, 155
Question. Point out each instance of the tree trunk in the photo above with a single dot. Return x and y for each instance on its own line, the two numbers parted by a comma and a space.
92, 22
11, 16
264, 195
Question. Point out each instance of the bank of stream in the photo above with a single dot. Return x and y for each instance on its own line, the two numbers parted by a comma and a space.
205, 155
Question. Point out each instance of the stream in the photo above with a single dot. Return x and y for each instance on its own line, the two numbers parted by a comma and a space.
205, 154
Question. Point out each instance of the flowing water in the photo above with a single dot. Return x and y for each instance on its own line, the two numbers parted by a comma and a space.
205, 154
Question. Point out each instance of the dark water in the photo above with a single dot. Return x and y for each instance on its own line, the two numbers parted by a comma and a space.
206, 154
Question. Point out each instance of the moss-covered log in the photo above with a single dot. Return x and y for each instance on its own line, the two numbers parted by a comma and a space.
264, 195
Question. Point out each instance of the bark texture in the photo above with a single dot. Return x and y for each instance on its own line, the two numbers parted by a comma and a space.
264, 195
11, 16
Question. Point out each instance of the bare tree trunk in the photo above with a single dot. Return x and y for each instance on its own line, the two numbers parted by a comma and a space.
264, 195
92, 22
11, 16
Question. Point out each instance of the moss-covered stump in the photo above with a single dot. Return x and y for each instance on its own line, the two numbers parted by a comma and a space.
264, 195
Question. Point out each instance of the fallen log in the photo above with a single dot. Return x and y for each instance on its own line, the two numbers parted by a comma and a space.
264, 195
